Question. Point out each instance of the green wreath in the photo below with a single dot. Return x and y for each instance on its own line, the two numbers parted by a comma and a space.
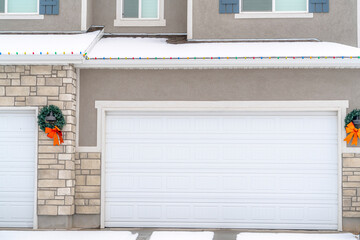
45, 111
351, 116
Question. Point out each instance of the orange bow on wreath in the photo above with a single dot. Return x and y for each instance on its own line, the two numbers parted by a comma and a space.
353, 132
53, 133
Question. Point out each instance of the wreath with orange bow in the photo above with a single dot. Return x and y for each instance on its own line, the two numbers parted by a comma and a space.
52, 128
351, 130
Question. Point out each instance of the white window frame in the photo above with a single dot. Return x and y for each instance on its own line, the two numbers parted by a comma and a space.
274, 13
33, 15
139, 22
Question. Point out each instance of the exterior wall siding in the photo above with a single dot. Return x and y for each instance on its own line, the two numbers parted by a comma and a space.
210, 85
339, 25
39, 86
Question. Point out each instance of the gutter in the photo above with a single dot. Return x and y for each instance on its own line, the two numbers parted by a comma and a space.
41, 59
220, 64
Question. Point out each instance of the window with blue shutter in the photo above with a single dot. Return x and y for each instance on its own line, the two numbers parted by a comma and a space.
318, 6
49, 7
229, 6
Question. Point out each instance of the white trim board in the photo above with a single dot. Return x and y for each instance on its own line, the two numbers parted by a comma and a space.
339, 107
84, 4
244, 15
190, 19
22, 16
35, 110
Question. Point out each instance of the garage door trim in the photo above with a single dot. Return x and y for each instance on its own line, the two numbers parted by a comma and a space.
35, 111
103, 107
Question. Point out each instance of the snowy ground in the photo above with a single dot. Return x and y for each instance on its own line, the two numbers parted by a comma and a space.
294, 236
164, 235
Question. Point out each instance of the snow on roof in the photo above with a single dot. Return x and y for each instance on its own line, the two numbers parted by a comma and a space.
127, 47
19, 44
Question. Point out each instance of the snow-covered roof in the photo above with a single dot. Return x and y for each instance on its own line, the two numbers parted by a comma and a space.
45, 47
157, 53
159, 48
90, 50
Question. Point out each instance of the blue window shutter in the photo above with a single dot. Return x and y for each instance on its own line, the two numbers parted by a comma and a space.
49, 7
325, 6
229, 6
222, 7
55, 10
318, 6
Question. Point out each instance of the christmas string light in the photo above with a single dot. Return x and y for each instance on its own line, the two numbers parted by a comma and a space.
40, 53
222, 58
86, 57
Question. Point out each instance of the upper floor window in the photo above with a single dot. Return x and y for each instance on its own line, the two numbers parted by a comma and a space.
19, 6
274, 9
141, 9
134, 13
274, 6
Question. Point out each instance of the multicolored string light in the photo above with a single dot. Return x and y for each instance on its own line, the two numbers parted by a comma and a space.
45, 53
85, 55
221, 58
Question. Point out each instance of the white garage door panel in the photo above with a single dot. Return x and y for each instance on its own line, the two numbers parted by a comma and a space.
17, 168
274, 171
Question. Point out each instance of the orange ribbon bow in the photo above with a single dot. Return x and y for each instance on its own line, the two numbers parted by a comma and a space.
353, 132
53, 133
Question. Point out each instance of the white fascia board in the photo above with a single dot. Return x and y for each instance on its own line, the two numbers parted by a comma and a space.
40, 60
219, 64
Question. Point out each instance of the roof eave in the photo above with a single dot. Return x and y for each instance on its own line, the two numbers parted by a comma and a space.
219, 64
41, 60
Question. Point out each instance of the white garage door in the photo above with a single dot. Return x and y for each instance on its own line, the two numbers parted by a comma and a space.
17, 168
250, 170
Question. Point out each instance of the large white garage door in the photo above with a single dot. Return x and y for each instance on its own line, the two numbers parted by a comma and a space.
17, 168
249, 170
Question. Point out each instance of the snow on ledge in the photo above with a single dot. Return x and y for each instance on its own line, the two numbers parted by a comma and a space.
173, 235
67, 235
295, 236
129, 47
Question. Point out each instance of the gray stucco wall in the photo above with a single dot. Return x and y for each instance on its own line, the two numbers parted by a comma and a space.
211, 85
339, 25
69, 19
104, 13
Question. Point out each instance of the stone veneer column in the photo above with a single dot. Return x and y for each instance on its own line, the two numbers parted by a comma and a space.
39, 86
87, 194
351, 192
351, 185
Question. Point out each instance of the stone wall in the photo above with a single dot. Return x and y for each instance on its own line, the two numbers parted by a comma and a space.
351, 185
37, 86
87, 191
